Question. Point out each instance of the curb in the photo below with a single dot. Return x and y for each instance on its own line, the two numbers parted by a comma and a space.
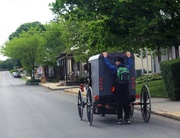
58, 88
168, 115
162, 113
74, 91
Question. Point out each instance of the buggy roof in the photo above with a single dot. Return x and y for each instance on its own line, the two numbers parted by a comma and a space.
94, 57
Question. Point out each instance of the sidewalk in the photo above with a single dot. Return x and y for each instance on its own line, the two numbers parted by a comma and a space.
159, 106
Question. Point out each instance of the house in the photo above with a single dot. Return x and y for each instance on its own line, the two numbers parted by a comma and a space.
152, 62
43, 73
168, 54
143, 65
69, 70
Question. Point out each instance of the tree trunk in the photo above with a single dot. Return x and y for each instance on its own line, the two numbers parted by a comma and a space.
177, 51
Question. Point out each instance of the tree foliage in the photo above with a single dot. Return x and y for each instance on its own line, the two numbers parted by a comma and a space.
35, 47
88, 27
25, 27
25, 48
54, 43
120, 24
9, 64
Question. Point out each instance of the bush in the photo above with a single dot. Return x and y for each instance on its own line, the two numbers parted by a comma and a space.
32, 82
150, 77
82, 79
53, 80
171, 78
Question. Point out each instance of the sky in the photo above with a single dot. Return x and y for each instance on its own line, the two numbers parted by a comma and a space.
14, 13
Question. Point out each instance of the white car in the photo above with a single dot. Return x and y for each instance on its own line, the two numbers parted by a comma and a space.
16, 75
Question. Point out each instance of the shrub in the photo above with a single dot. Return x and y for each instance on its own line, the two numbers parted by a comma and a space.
32, 82
82, 79
150, 77
171, 78
53, 80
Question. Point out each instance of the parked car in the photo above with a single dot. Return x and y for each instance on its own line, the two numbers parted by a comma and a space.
16, 75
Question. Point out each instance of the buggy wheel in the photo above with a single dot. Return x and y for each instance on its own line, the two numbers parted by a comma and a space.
131, 111
89, 106
80, 105
145, 101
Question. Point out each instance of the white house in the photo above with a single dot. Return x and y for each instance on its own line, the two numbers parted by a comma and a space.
167, 55
152, 63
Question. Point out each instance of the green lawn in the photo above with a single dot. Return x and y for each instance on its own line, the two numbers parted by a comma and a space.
156, 88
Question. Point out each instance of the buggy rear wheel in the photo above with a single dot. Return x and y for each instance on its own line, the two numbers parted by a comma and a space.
145, 101
80, 105
89, 105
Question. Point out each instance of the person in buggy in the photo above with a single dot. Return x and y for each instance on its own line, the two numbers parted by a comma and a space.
121, 92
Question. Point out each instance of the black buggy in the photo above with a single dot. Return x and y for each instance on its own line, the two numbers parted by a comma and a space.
98, 89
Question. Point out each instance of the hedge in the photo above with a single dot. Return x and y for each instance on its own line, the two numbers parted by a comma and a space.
170, 71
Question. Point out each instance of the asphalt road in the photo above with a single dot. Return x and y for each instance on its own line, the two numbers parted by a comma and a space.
30, 111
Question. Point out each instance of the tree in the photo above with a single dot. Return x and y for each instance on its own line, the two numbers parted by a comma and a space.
100, 25
8, 64
54, 43
25, 27
87, 29
25, 48
131, 24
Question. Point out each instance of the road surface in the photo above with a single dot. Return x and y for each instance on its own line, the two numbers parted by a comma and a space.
33, 111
